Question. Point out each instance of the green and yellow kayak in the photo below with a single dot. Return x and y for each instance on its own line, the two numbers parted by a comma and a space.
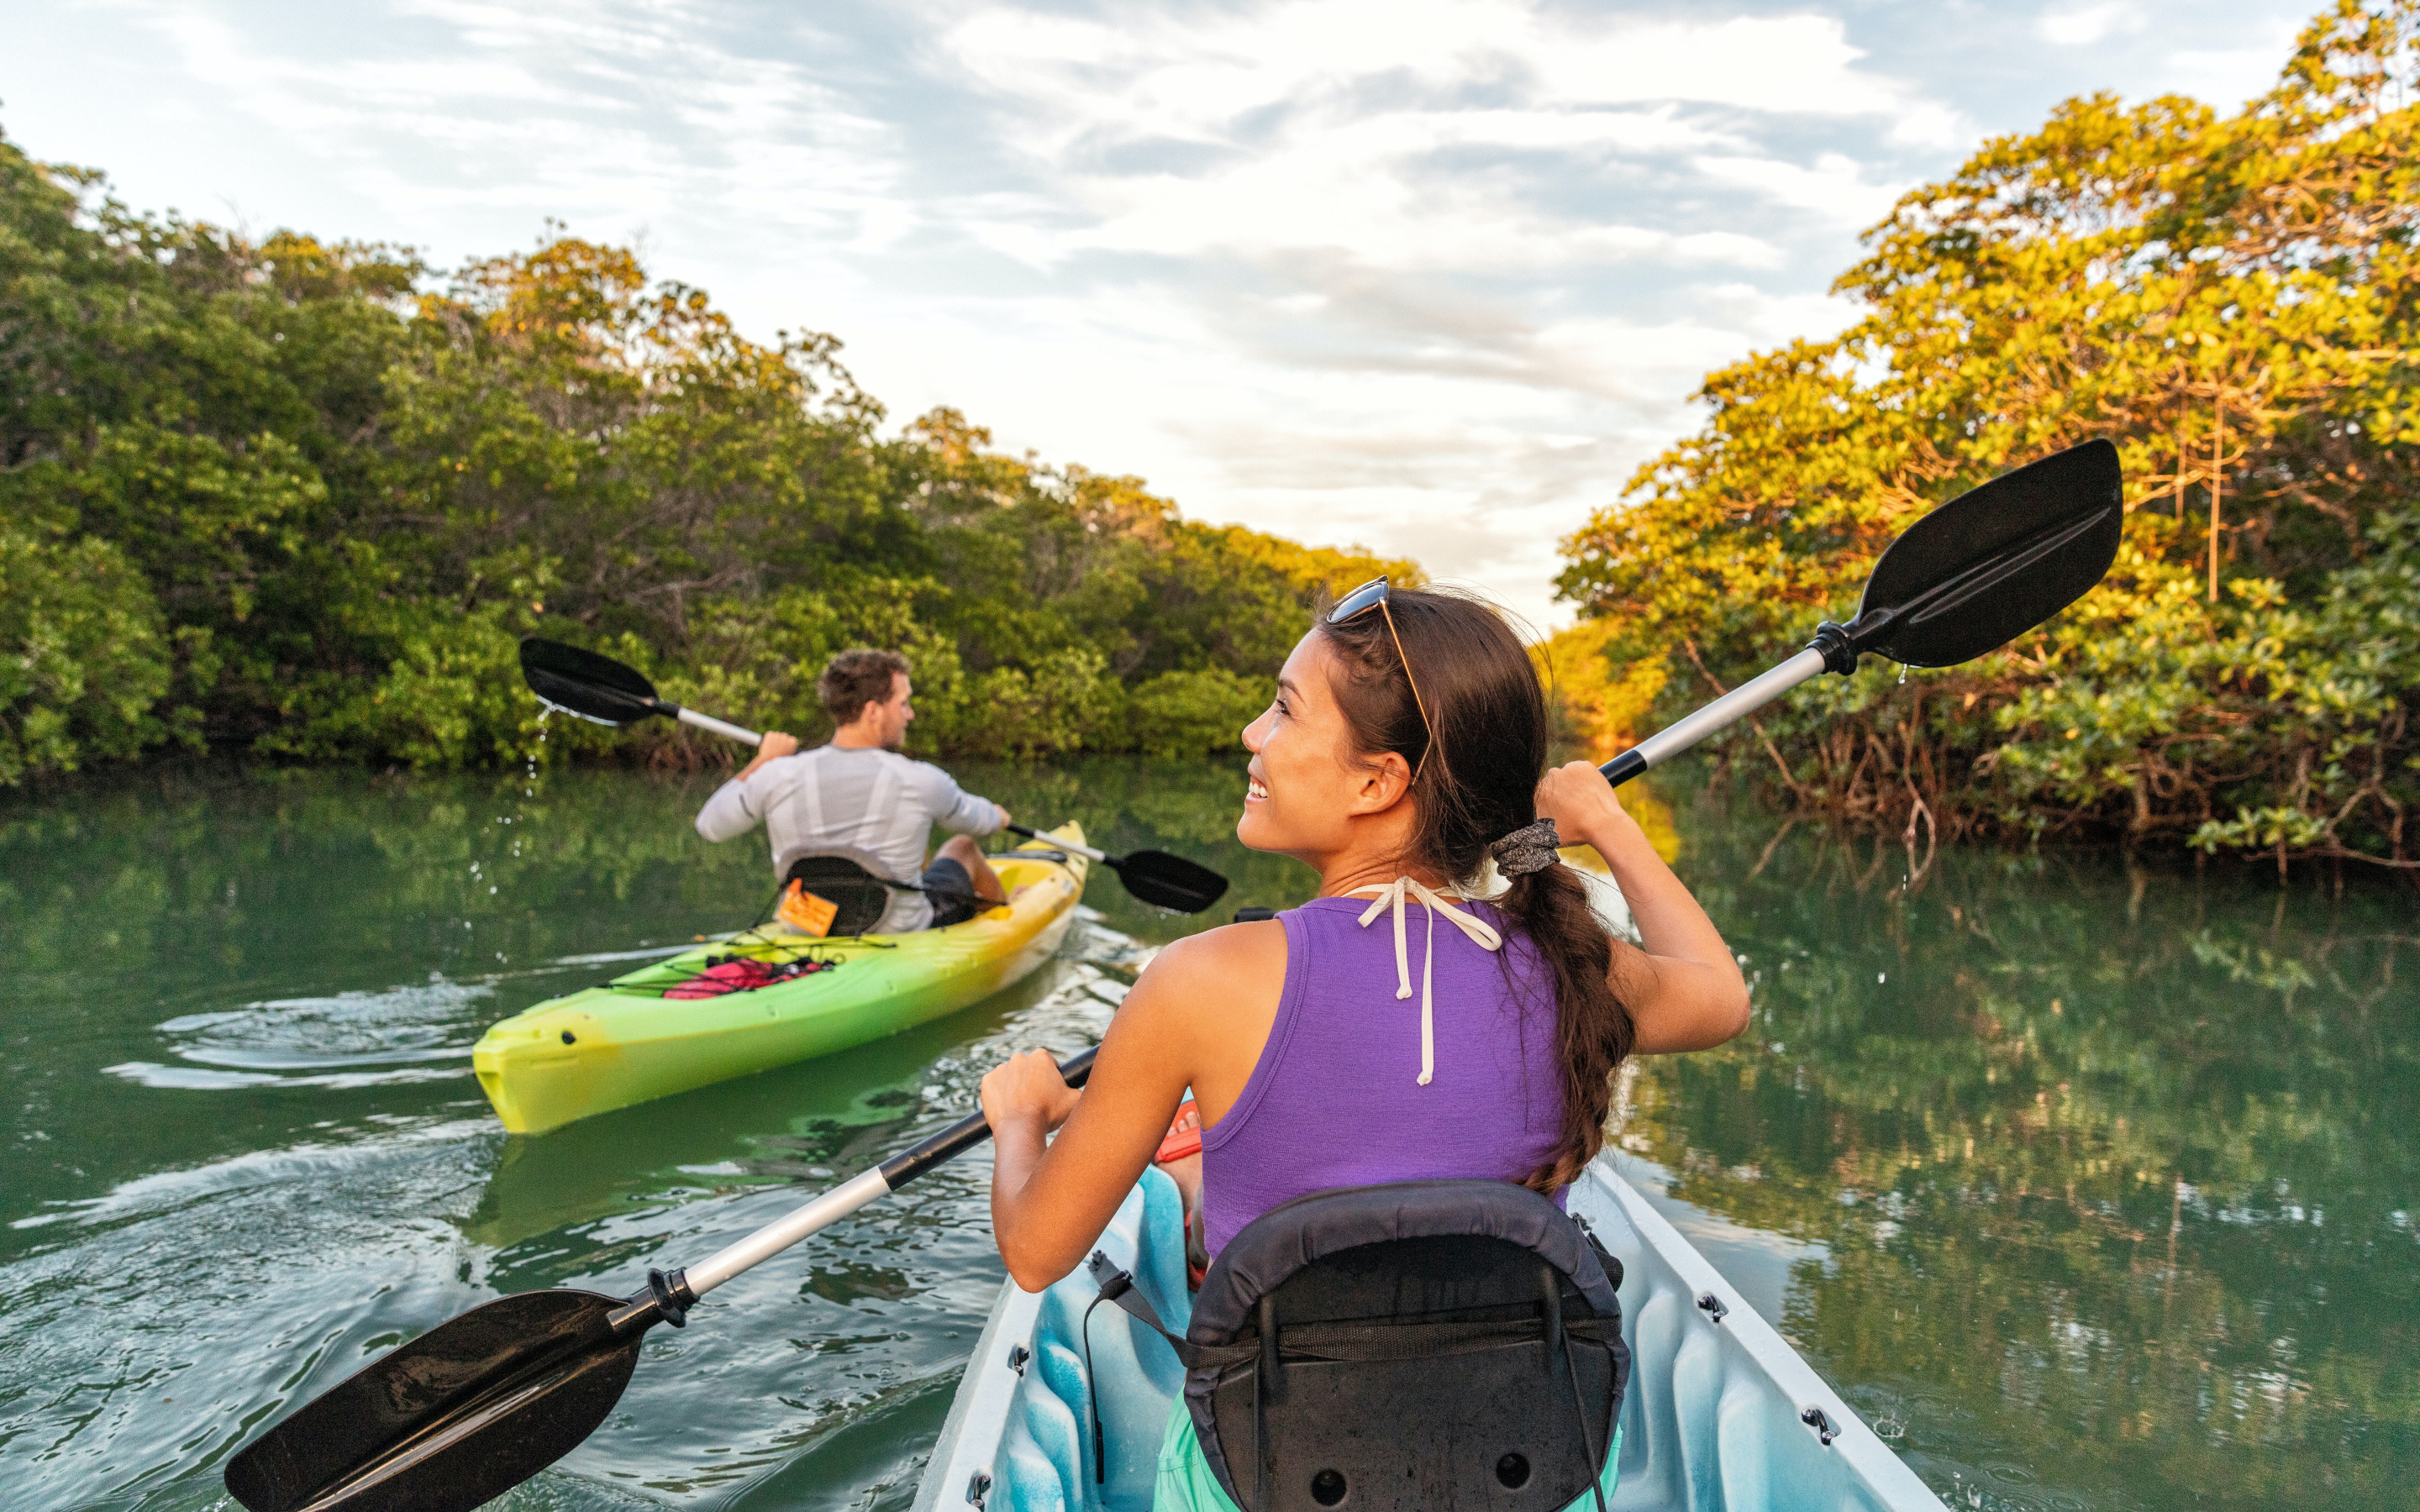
627, 1042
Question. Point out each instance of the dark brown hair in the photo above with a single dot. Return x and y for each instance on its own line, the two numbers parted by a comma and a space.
1479, 785
856, 678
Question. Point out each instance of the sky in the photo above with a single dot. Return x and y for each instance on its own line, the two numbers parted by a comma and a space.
1430, 276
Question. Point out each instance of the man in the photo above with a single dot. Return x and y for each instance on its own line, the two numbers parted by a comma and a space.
858, 798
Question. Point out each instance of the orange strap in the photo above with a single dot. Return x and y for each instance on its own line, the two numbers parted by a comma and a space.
1184, 1135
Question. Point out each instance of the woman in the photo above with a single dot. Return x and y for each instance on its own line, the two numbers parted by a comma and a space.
1407, 744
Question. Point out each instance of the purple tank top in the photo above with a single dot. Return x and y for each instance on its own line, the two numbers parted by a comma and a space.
1334, 1100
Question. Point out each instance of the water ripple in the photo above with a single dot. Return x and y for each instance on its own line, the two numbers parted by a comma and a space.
415, 1033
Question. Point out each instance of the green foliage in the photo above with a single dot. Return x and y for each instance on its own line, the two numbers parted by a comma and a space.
1189, 714
2234, 302
304, 502
82, 659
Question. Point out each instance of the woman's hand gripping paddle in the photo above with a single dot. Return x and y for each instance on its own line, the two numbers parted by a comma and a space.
482, 1402
1966, 579
604, 691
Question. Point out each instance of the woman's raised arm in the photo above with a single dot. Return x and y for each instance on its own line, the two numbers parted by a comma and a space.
1683, 988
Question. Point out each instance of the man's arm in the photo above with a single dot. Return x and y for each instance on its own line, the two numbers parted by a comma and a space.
725, 815
728, 814
771, 748
958, 812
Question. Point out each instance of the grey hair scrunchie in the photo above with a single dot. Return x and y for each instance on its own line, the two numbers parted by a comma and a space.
1530, 848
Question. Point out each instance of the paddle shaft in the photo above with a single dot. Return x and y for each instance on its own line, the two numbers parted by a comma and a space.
1084, 851
1726, 711
1936, 597
708, 721
854, 1193
1156, 877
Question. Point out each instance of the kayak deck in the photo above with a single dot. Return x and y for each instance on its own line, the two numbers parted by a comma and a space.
1713, 1418
626, 1042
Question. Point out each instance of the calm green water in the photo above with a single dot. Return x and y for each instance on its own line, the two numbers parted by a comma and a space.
2094, 1184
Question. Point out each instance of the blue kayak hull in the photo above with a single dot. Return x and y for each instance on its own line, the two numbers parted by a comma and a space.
1714, 1422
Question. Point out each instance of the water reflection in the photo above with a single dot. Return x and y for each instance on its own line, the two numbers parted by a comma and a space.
2111, 1166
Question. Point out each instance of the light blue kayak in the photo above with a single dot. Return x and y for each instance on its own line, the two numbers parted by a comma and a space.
1721, 1415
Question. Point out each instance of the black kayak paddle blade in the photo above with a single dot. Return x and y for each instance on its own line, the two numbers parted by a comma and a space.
1168, 880
454, 1418
594, 688
1998, 560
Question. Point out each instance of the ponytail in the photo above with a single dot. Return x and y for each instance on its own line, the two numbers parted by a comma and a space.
1593, 1032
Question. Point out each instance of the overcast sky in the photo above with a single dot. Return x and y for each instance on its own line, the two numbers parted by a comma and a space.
1430, 275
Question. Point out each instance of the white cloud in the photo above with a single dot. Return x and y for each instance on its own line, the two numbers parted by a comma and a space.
1180, 74
2228, 76
565, 107
1421, 134
2074, 25
1834, 186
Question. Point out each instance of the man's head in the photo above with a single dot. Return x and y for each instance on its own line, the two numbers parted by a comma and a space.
868, 690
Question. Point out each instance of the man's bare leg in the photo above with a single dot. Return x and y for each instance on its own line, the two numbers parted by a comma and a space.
962, 850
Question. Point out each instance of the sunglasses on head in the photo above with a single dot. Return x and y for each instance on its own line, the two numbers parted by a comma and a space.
1369, 595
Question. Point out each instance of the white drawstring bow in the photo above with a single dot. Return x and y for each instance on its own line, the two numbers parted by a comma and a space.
1476, 928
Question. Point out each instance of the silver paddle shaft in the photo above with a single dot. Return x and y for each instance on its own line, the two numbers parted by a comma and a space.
781, 1233
708, 721
1729, 709
856, 1192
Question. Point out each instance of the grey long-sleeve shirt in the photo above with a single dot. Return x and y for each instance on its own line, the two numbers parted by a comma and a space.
876, 803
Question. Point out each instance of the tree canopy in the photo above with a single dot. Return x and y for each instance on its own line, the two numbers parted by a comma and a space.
2232, 301
301, 499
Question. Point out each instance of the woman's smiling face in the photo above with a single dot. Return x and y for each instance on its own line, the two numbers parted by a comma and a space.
1306, 786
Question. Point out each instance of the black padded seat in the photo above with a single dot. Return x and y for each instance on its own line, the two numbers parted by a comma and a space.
860, 896
1415, 1347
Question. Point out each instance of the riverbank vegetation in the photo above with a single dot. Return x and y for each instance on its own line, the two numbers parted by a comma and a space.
300, 499
2235, 302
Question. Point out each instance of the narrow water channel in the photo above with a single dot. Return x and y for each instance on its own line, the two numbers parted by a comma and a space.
2092, 1183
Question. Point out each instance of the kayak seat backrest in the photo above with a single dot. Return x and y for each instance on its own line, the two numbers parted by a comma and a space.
1425, 1344
856, 892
